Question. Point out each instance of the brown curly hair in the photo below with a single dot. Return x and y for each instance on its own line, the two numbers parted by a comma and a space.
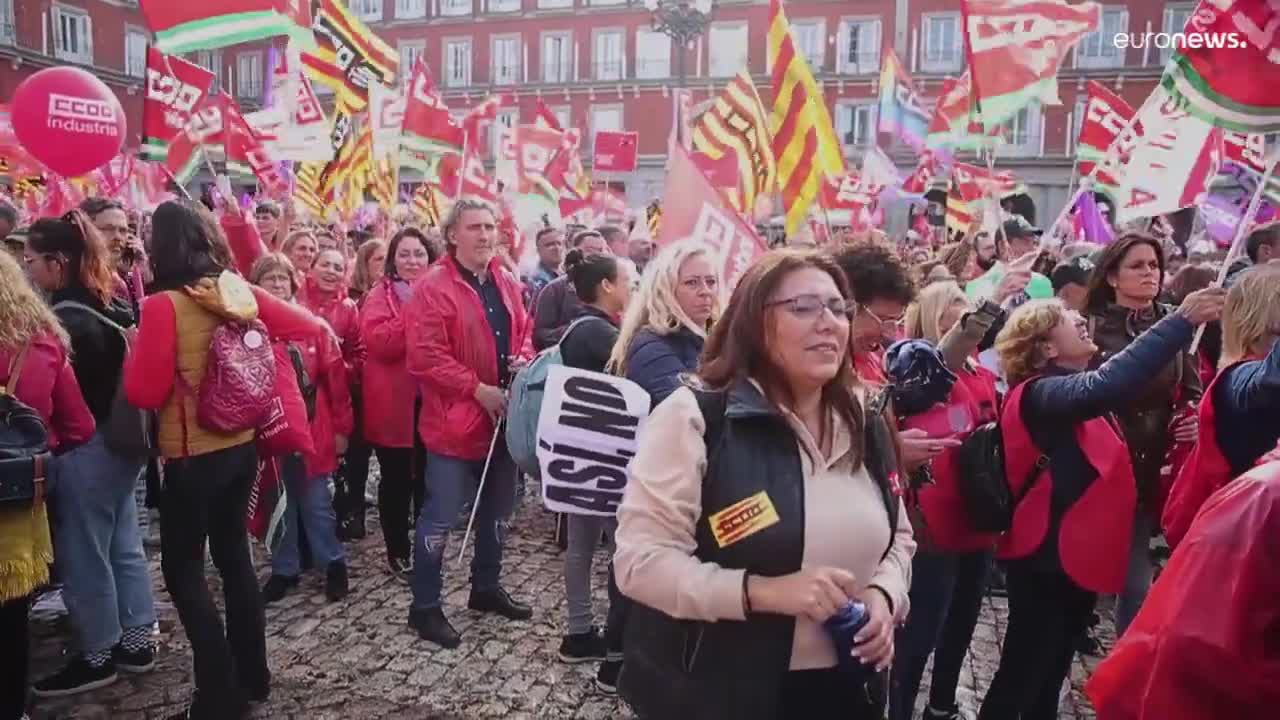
1018, 343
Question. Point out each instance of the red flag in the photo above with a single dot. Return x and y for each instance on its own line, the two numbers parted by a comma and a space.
247, 154
536, 147
484, 113
1246, 149
692, 208
1105, 116
546, 117
1015, 48
917, 183
474, 182
174, 89
848, 192
428, 126
615, 151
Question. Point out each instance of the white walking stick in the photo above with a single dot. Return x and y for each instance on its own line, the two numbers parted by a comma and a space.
493, 443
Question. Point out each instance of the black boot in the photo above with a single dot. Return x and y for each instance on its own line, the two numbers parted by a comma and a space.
277, 587
497, 601
433, 626
336, 585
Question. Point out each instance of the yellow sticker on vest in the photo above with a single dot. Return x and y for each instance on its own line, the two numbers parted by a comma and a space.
742, 519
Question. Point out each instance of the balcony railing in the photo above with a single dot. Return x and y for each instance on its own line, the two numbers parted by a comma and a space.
608, 70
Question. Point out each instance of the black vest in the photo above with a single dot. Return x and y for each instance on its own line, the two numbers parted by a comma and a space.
687, 669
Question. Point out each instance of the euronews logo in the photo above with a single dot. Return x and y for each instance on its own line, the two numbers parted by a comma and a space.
1181, 41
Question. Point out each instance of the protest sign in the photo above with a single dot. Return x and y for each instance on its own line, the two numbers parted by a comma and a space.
587, 432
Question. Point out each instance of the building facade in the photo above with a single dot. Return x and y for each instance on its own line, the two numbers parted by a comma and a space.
106, 37
598, 64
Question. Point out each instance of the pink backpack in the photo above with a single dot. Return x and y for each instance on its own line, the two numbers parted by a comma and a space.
239, 378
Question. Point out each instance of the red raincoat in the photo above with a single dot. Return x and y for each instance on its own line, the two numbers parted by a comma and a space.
1204, 644
1095, 531
450, 350
47, 384
389, 390
340, 311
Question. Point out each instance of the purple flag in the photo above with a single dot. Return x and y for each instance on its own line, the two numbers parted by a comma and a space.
1089, 222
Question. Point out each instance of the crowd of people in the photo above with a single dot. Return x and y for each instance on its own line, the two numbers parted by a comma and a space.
808, 454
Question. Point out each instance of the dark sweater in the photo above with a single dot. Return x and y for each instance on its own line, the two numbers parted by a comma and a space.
1245, 400
657, 362
97, 350
589, 345
555, 306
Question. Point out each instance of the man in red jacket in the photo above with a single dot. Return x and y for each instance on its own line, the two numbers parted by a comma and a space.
466, 332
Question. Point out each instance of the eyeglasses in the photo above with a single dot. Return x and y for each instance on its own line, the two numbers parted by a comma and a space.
886, 323
809, 307
694, 284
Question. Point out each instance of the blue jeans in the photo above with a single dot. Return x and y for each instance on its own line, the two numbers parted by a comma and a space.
104, 569
946, 596
451, 482
308, 504
1137, 580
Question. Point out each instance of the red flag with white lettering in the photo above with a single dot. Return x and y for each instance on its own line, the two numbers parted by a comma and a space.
474, 182
174, 89
692, 209
1246, 149
927, 167
1171, 162
615, 151
429, 128
246, 153
1105, 115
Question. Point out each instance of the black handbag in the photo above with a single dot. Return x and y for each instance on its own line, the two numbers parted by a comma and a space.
24, 444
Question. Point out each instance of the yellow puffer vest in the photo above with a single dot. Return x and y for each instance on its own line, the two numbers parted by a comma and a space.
195, 327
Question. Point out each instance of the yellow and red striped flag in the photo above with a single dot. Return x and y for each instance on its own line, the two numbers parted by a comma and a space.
735, 126
348, 55
804, 140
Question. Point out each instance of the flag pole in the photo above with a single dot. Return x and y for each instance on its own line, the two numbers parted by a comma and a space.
1237, 243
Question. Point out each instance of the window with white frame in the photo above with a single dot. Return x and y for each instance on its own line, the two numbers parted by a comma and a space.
810, 37
502, 6
943, 43
604, 117
249, 75
553, 4
1022, 131
607, 58
410, 51
366, 9
411, 9
856, 123
1098, 49
858, 46
653, 55
6, 21
454, 8
135, 52
505, 119
506, 60
1077, 120
726, 49
1175, 19
562, 115
457, 62
72, 35
211, 60
557, 57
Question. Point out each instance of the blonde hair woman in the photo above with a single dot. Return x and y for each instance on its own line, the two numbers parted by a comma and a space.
301, 247
1066, 462
370, 265
34, 370
1241, 400
668, 319
949, 569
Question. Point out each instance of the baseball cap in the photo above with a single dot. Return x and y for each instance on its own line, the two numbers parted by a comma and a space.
1018, 227
1075, 271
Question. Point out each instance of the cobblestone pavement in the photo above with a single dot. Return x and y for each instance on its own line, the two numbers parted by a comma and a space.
357, 659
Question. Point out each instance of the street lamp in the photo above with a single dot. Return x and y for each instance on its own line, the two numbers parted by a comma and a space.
683, 22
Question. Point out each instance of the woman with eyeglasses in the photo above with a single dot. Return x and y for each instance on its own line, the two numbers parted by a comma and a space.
668, 319
759, 506
1066, 458
96, 529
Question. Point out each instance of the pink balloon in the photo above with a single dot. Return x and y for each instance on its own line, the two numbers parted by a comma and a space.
69, 120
